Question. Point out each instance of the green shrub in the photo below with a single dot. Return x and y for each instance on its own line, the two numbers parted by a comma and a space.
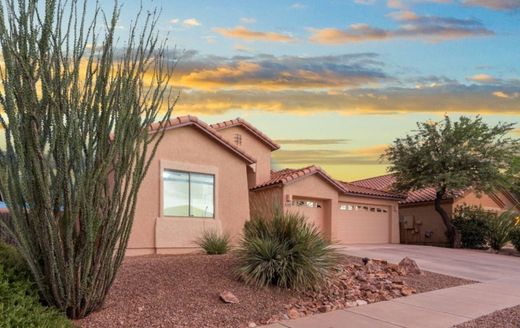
213, 242
515, 237
500, 229
13, 263
285, 251
19, 301
473, 223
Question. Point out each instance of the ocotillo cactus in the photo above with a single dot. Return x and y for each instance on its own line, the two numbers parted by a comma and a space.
75, 112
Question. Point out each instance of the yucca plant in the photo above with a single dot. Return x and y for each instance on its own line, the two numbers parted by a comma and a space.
286, 251
76, 111
213, 242
500, 229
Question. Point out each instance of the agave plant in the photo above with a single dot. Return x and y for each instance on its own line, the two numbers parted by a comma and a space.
284, 250
500, 229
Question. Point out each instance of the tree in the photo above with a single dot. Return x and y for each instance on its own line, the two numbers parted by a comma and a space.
76, 111
514, 176
450, 156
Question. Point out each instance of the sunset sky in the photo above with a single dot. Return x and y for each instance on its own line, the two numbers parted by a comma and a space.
334, 82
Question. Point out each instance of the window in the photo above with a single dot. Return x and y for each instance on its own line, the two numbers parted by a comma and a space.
238, 139
307, 203
188, 194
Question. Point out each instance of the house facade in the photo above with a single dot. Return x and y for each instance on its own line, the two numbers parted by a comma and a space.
215, 177
421, 224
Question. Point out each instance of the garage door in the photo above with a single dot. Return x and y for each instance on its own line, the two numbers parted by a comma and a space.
312, 209
363, 224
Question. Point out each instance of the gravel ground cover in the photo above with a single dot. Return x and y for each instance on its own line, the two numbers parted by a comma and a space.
183, 291
507, 318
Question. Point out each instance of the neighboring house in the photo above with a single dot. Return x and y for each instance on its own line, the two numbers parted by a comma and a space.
420, 223
212, 177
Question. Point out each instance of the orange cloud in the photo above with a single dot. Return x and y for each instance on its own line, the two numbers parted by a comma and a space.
413, 26
482, 78
279, 73
243, 33
457, 99
494, 4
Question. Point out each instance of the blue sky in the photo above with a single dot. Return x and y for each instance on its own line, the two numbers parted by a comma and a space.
353, 74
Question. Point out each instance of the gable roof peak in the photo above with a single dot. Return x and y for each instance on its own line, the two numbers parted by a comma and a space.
249, 127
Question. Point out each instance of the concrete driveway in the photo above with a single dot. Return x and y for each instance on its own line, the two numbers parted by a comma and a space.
443, 308
469, 264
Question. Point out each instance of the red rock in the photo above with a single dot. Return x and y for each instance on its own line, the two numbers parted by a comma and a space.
228, 297
293, 313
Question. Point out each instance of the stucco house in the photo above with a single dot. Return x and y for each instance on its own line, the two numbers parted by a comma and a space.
420, 223
210, 176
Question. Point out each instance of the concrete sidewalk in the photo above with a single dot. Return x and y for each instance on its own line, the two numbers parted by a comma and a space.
438, 309
442, 308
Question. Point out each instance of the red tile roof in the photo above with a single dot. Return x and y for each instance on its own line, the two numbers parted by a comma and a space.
361, 190
187, 120
286, 176
385, 183
248, 126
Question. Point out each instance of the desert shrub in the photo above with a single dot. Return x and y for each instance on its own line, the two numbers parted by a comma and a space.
284, 250
13, 263
20, 306
19, 300
500, 229
515, 237
213, 242
473, 223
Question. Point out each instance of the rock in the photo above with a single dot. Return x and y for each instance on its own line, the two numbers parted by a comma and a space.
406, 291
228, 297
409, 266
251, 325
140, 309
361, 302
325, 308
293, 313
351, 304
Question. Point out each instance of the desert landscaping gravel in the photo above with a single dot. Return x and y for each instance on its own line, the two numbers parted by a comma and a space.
507, 318
183, 291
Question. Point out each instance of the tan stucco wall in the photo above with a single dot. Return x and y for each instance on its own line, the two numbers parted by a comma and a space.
254, 147
486, 201
189, 149
426, 220
423, 220
313, 187
263, 203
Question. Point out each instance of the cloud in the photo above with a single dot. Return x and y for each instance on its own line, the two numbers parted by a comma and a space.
482, 78
365, 2
247, 20
189, 22
494, 4
308, 142
403, 4
298, 5
369, 155
412, 26
244, 33
504, 95
456, 98
280, 72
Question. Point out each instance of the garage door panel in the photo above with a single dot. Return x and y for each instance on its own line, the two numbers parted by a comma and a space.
363, 224
312, 209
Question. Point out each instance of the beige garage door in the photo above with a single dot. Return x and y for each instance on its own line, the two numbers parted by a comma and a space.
363, 224
313, 209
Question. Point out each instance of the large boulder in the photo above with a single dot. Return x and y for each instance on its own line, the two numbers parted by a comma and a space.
407, 265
